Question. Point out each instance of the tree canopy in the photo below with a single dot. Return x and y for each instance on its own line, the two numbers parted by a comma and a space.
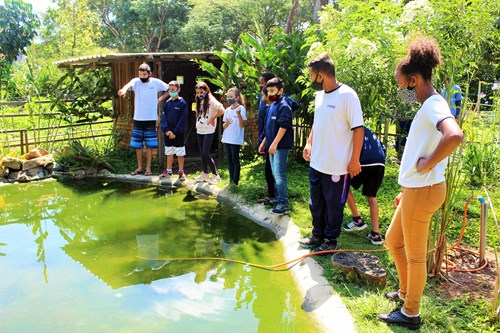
18, 28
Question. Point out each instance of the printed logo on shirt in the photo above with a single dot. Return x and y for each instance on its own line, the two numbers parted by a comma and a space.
273, 117
331, 106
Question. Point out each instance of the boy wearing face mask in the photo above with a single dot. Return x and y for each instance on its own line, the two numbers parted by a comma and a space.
146, 102
278, 140
173, 124
333, 149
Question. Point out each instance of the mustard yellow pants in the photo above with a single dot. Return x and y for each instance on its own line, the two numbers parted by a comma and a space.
407, 237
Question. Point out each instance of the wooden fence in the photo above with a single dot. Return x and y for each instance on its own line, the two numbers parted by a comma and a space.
54, 134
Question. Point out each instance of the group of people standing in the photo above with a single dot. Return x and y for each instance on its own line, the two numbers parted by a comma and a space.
342, 152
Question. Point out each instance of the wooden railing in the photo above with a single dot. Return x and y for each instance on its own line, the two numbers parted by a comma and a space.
60, 131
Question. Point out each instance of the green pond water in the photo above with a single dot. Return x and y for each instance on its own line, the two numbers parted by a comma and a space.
70, 261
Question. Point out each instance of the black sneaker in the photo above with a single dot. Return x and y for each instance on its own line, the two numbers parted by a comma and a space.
310, 242
375, 238
396, 317
281, 209
355, 225
327, 245
271, 202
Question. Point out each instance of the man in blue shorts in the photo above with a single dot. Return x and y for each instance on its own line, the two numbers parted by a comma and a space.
372, 161
146, 102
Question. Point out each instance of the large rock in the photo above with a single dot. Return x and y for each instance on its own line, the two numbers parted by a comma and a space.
12, 163
35, 153
29, 175
38, 162
360, 266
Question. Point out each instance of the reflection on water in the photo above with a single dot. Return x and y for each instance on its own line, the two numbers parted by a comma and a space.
71, 259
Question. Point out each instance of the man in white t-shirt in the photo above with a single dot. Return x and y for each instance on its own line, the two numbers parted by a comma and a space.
333, 149
146, 102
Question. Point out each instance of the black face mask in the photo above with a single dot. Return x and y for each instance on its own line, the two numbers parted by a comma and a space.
144, 79
317, 85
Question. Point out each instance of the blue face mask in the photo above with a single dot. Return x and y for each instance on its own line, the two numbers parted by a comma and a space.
173, 93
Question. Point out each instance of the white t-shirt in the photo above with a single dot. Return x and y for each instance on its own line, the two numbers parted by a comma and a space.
421, 142
146, 98
202, 125
336, 114
234, 133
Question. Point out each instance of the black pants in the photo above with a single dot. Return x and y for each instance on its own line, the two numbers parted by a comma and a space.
233, 162
328, 198
205, 143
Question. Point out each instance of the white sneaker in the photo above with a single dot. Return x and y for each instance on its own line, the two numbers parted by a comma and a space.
202, 178
355, 226
214, 179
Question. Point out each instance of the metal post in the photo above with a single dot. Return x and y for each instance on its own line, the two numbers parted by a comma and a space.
482, 232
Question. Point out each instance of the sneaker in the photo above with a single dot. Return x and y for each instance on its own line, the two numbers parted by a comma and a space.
310, 242
375, 238
271, 202
327, 245
355, 225
203, 177
166, 174
214, 179
263, 199
281, 209
182, 176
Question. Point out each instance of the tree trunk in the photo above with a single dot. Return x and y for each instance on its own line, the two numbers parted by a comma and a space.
318, 5
291, 14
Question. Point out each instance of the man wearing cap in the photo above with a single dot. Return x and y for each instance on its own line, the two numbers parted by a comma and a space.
146, 102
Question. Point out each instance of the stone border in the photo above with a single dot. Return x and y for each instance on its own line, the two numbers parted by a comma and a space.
327, 309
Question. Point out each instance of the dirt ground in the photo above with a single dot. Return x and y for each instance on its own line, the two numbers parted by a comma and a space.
476, 285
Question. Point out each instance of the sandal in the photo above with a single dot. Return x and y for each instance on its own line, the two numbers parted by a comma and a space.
136, 172
148, 173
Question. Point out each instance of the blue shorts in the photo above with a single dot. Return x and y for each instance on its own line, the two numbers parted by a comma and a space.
144, 133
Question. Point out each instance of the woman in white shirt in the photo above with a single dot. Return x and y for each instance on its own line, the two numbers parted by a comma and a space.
207, 111
433, 136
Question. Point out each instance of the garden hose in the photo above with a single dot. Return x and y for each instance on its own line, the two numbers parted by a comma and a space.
276, 267
451, 266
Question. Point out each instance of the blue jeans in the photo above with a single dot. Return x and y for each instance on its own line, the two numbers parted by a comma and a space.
278, 166
328, 198
233, 162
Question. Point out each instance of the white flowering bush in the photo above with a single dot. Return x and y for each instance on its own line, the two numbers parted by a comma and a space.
360, 47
